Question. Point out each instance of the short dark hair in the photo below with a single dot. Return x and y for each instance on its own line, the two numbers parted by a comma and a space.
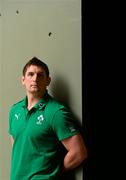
37, 62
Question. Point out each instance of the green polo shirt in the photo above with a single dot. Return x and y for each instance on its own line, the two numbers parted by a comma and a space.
37, 152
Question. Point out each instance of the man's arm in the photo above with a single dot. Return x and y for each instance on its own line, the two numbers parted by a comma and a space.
77, 152
11, 140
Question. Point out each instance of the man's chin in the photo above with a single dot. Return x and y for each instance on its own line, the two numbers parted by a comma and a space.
34, 88
35, 91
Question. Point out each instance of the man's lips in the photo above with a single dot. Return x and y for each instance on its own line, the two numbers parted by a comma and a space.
34, 85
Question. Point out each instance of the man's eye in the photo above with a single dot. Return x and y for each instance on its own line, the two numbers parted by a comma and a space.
30, 74
40, 75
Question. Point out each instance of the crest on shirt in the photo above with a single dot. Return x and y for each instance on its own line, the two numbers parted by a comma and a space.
39, 119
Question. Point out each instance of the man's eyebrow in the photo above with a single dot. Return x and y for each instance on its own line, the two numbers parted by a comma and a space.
41, 72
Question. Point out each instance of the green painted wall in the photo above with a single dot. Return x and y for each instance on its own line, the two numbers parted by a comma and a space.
24, 32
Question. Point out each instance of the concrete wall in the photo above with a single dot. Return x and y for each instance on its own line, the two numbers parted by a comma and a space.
50, 30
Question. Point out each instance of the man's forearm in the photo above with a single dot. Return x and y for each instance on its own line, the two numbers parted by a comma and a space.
11, 140
71, 161
76, 152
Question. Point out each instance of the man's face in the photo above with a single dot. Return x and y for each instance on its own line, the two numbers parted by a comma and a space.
35, 80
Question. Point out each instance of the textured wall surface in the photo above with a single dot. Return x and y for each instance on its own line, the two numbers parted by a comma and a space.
50, 30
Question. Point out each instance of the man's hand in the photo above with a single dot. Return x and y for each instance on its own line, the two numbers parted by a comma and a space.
11, 140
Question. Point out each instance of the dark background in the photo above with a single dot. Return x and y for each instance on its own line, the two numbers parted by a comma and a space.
104, 91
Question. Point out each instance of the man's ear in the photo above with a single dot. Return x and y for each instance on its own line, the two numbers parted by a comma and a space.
48, 81
22, 80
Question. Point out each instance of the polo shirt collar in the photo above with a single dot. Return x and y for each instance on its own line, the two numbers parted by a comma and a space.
40, 104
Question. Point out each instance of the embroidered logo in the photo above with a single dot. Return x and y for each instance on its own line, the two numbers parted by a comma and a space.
17, 116
40, 119
72, 129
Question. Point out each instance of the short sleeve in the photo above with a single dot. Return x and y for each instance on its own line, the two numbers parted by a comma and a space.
63, 124
10, 122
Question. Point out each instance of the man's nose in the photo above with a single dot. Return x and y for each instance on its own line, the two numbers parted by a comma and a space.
35, 77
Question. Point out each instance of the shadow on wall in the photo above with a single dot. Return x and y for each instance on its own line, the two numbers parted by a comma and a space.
69, 176
60, 90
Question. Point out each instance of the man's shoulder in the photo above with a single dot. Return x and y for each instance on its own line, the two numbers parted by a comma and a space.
54, 105
17, 104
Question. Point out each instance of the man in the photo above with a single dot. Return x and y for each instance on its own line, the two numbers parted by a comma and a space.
45, 140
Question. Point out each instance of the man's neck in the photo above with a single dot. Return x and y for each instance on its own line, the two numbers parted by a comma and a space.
32, 100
